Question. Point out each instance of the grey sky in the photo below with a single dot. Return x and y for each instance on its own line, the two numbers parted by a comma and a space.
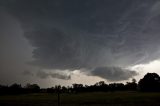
77, 35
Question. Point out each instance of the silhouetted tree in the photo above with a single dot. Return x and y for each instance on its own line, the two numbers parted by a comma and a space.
101, 86
77, 87
15, 89
64, 89
131, 85
150, 82
116, 86
51, 90
32, 87
16, 86
4, 89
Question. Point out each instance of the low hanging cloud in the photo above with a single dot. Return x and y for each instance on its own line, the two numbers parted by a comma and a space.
27, 73
44, 75
91, 35
113, 73
92, 39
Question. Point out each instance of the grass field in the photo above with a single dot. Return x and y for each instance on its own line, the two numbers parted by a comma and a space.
83, 99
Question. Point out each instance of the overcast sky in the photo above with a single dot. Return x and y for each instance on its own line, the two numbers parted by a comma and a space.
52, 42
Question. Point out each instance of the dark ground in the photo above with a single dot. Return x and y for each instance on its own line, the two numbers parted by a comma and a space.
83, 99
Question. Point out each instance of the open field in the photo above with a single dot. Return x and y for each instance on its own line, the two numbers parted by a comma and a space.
83, 99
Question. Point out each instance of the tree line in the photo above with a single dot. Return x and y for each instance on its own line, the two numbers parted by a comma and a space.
149, 83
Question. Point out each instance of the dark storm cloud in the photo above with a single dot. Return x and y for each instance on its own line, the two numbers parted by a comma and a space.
44, 75
27, 73
113, 73
75, 34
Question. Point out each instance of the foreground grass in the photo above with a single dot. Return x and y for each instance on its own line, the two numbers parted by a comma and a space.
84, 99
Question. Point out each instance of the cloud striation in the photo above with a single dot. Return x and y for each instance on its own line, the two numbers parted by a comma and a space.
104, 36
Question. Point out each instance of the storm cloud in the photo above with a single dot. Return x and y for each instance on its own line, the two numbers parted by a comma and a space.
90, 34
27, 73
114, 73
44, 75
111, 36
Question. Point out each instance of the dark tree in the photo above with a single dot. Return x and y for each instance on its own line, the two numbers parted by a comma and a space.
4, 89
15, 86
116, 87
32, 88
150, 82
51, 90
15, 89
101, 86
77, 87
131, 85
